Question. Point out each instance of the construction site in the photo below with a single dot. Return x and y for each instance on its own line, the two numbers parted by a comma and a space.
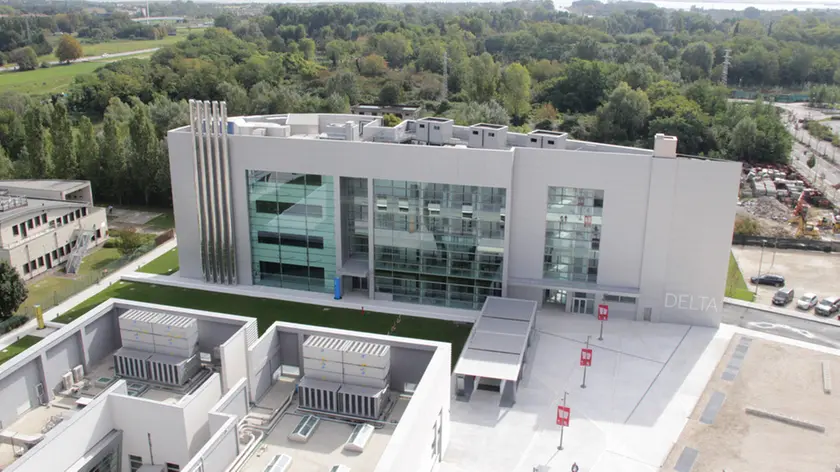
776, 201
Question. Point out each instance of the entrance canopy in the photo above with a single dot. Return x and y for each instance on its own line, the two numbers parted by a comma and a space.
496, 347
355, 267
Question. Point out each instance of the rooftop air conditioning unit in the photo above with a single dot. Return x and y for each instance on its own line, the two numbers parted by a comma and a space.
279, 463
78, 373
359, 438
67, 380
305, 429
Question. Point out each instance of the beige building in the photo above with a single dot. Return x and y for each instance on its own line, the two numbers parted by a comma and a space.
46, 223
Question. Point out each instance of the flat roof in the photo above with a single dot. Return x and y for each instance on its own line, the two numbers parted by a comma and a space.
37, 205
44, 184
499, 338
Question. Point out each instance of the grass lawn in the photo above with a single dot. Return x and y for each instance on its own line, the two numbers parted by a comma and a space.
17, 347
165, 221
164, 265
50, 80
736, 287
268, 311
98, 260
123, 45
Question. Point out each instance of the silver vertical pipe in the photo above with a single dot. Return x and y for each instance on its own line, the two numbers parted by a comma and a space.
218, 231
211, 235
198, 151
226, 183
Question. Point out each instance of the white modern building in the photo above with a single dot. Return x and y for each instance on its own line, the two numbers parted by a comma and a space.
433, 213
133, 387
46, 223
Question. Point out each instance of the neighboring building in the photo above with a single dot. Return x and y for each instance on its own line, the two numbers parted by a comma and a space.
459, 213
133, 386
45, 223
407, 112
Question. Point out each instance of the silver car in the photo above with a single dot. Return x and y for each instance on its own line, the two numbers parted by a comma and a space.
807, 301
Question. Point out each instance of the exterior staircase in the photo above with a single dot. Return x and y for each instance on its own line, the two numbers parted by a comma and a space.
83, 240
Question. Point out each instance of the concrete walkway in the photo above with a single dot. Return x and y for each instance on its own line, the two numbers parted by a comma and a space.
31, 325
350, 300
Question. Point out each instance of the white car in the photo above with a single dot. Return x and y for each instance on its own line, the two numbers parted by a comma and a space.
807, 301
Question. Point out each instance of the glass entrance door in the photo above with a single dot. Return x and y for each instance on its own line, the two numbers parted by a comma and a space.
579, 305
583, 302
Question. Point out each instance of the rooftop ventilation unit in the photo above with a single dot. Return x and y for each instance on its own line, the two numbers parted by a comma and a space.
78, 373
359, 438
67, 381
279, 463
318, 395
10, 203
132, 364
363, 402
433, 130
304, 430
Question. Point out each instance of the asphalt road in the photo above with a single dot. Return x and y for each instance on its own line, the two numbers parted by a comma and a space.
780, 325
95, 58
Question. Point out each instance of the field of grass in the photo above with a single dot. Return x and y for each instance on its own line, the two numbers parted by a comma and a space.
163, 222
165, 264
52, 80
17, 347
268, 311
123, 45
736, 286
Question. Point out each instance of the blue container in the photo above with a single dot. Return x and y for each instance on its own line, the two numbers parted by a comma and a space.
337, 287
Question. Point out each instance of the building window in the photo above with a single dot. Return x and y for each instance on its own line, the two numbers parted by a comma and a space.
72, 217
572, 234
44, 218
620, 299
533, 140
58, 221
33, 264
475, 132
64, 219
492, 135
84, 211
38, 220
78, 213
551, 142
15, 230
41, 261
436, 127
29, 224
26, 268
134, 463
98, 233
266, 237
61, 252
170, 467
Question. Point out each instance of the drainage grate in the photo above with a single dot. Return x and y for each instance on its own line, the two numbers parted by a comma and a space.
686, 460
712, 408
738, 356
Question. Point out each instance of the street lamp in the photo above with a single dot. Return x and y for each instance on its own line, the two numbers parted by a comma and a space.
760, 260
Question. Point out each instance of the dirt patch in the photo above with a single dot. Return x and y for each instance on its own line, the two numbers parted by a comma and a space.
773, 377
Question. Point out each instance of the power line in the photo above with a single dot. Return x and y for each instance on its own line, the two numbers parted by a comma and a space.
724, 74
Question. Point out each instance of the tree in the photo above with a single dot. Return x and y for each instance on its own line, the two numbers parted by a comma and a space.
482, 78
812, 161
624, 117
372, 65
744, 140
7, 167
167, 114
390, 94
307, 47
335, 103
144, 159
113, 150
516, 90
699, 57
68, 49
65, 162
466, 114
343, 83
12, 290
25, 58
38, 146
395, 47
129, 241
390, 120
583, 87
87, 152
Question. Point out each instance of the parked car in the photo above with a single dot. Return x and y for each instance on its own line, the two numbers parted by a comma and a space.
769, 279
783, 296
827, 306
807, 301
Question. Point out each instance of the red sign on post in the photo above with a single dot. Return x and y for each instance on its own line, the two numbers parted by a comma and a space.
587, 221
563, 415
586, 357
603, 312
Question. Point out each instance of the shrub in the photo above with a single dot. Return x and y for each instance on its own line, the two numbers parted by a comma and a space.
12, 322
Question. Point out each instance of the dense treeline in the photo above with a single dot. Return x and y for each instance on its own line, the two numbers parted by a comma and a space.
619, 79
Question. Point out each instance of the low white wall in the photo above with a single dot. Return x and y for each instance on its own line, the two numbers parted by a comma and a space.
223, 446
234, 356
410, 446
196, 408
69, 440
146, 421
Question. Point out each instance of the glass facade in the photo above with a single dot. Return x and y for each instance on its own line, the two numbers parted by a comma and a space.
354, 213
438, 244
573, 234
292, 230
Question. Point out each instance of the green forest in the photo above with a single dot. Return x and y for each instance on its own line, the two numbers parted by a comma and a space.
618, 77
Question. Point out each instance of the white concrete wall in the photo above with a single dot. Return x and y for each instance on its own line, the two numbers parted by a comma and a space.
143, 420
196, 407
185, 203
260, 355
234, 355
409, 449
222, 447
68, 441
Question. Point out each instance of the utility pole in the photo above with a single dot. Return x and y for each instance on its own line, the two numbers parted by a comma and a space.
724, 73
444, 92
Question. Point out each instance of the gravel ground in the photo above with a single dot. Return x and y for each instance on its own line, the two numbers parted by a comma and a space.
774, 377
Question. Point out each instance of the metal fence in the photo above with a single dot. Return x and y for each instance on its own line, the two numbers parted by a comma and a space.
786, 243
78, 283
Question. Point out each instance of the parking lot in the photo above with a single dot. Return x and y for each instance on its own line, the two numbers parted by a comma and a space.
804, 271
